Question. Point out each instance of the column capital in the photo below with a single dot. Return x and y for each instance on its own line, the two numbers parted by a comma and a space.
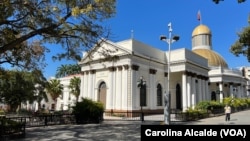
135, 67
112, 68
126, 67
92, 71
152, 71
119, 68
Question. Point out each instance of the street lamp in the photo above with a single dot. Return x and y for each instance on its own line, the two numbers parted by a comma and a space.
141, 84
167, 96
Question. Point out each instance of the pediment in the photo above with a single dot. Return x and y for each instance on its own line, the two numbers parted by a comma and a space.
105, 50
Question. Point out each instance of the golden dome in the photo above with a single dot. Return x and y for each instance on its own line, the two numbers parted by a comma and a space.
201, 29
214, 59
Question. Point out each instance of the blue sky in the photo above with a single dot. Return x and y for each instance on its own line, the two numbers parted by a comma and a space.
149, 19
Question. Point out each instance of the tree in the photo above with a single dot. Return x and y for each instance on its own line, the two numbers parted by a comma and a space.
55, 89
66, 70
74, 86
242, 45
27, 25
40, 85
21, 86
61, 71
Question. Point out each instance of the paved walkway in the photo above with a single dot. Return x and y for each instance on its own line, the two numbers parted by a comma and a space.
117, 130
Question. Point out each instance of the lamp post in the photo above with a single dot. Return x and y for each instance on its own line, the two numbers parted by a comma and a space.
141, 84
167, 96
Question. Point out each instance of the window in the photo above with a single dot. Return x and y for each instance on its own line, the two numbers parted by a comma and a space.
143, 95
159, 95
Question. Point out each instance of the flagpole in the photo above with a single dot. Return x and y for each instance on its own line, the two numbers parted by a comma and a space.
199, 16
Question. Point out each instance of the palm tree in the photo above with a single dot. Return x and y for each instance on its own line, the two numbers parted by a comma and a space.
74, 86
70, 69
61, 71
55, 89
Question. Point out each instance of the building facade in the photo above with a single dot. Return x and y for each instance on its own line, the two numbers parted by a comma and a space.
196, 75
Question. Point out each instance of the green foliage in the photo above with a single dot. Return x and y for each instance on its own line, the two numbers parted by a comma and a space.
75, 87
66, 70
88, 111
215, 105
28, 26
21, 86
247, 100
242, 45
11, 128
238, 102
195, 114
204, 105
25, 112
54, 88
234, 102
7, 122
2, 112
228, 101
203, 108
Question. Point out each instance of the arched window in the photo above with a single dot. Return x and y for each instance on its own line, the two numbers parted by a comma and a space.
159, 95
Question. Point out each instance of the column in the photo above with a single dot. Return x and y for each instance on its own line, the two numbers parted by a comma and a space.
124, 90
203, 89
119, 98
207, 89
92, 87
184, 92
82, 86
136, 91
188, 91
221, 91
239, 92
86, 84
152, 94
110, 89
193, 92
199, 90
231, 89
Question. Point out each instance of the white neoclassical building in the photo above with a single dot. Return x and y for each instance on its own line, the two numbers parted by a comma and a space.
223, 82
196, 75
200, 74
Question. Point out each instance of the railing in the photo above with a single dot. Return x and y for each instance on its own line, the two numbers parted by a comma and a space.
59, 119
10, 129
45, 119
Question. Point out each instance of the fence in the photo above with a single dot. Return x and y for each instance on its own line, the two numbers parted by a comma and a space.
8, 129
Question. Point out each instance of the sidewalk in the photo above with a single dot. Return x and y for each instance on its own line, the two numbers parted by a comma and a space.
117, 130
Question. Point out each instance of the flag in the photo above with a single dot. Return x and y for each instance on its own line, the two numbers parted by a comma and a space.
199, 15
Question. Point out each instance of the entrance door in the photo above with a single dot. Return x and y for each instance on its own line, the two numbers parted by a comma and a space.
102, 93
178, 97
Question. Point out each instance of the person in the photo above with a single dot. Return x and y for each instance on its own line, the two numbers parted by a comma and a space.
227, 112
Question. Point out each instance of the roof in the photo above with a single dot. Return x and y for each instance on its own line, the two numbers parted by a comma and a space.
214, 59
201, 29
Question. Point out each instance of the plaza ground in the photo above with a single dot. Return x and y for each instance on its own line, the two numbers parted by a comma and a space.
118, 130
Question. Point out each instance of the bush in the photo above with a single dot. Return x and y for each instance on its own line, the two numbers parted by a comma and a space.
203, 105
215, 105
88, 111
25, 112
2, 112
